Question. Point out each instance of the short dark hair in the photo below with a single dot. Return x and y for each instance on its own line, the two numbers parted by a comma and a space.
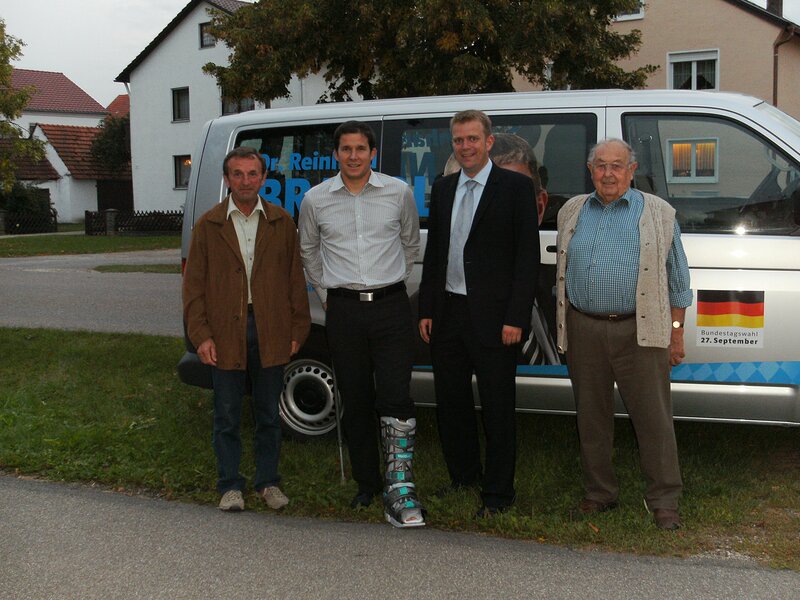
354, 127
472, 115
244, 152
511, 148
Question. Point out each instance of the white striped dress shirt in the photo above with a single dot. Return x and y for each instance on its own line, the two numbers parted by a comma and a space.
358, 241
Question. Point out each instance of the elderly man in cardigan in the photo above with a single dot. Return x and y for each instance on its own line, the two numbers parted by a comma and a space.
622, 289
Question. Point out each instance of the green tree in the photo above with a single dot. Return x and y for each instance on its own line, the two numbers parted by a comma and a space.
112, 146
13, 145
402, 48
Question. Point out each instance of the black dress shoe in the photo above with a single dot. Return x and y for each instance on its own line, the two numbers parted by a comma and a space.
361, 500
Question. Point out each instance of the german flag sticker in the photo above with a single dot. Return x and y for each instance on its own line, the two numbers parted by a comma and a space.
733, 308
731, 318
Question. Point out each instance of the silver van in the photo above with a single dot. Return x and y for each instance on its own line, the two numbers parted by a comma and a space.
729, 164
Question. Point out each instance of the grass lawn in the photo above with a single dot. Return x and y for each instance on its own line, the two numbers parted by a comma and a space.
109, 409
39, 245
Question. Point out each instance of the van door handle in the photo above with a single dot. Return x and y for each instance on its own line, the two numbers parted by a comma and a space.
551, 249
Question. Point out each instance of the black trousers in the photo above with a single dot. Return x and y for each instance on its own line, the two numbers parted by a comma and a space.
372, 349
456, 354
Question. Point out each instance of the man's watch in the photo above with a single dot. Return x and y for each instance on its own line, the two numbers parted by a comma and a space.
677, 325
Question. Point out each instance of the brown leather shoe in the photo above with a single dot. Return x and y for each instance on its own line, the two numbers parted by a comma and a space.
590, 507
666, 518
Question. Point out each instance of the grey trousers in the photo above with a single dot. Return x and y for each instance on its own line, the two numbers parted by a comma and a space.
600, 353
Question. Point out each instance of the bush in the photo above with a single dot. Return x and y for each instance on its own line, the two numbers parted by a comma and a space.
28, 210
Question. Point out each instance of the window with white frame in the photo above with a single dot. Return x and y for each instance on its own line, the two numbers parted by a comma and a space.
694, 70
206, 39
630, 15
183, 166
180, 104
693, 160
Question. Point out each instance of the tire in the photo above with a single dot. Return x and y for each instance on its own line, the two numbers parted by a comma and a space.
307, 401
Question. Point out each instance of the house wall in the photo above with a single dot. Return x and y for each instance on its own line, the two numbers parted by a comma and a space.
71, 197
57, 118
155, 139
743, 39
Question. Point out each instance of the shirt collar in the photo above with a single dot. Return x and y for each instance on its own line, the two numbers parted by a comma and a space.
233, 208
482, 177
337, 182
631, 196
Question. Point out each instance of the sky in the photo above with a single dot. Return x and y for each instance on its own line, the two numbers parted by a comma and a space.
92, 41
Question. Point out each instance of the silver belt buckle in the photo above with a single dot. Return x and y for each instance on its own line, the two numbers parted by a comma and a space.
365, 296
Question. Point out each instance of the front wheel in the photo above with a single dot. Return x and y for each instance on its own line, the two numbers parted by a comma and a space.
307, 402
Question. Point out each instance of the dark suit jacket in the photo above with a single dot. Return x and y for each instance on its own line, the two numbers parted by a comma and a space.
501, 256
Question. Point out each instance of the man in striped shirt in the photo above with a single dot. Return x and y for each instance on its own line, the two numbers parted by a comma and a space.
359, 238
622, 290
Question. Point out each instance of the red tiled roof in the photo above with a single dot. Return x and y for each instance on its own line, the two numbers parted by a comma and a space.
228, 6
74, 146
120, 106
26, 169
54, 92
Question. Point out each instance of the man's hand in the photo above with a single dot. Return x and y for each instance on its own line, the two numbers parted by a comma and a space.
511, 335
676, 347
207, 352
295, 348
425, 326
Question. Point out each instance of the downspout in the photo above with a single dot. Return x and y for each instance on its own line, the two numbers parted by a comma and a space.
786, 35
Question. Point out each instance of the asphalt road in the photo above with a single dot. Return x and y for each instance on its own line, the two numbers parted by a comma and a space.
65, 292
67, 541
79, 542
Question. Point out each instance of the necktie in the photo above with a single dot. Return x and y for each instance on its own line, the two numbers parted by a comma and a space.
458, 239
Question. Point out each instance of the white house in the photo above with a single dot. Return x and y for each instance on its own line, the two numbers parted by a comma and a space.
66, 118
171, 98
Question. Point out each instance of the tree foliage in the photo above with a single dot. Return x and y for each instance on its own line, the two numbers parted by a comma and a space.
403, 48
13, 145
112, 146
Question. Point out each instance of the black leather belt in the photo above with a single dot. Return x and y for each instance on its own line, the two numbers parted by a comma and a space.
607, 317
368, 295
249, 308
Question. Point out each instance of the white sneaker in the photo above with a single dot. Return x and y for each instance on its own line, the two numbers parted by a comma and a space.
232, 500
274, 497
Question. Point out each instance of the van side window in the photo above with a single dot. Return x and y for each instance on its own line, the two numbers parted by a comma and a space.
418, 150
298, 158
720, 176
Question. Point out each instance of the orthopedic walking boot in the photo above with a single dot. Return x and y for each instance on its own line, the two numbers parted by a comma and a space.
400, 504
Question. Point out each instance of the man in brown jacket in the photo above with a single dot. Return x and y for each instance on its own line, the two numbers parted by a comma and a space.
246, 311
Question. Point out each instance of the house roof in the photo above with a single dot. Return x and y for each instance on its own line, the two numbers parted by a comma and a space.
765, 14
54, 92
74, 146
120, 106
27, 169
228, 6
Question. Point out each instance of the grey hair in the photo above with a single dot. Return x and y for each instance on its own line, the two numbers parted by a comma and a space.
606, 142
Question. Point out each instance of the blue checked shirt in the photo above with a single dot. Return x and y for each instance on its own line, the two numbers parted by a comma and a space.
603, 265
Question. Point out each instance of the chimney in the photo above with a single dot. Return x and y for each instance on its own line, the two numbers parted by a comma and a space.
775, 7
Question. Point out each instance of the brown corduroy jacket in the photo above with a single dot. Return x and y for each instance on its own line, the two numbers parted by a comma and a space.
215, 288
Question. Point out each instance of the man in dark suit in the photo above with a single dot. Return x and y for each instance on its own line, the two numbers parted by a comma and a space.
475, 300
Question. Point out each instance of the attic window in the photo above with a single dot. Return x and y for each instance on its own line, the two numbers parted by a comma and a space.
630, 15
206, 39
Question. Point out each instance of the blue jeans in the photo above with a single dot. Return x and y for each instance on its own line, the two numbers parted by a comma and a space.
229, 390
